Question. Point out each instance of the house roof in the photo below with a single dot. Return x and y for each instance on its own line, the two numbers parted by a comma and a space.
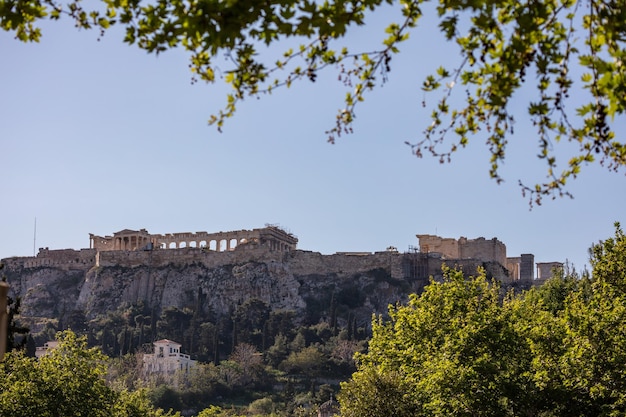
166, 342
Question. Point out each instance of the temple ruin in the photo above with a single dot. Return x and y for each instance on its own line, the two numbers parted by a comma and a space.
272, 237
520, 268
485, 250
131, 248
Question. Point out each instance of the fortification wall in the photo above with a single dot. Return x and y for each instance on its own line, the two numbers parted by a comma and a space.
521, 267
545, 270
447, 247
307, 262
420, 266
163, 257
483, 249
416, 266
66, 259
513, 266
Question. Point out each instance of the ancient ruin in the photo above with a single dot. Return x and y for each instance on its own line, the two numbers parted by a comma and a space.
271, 236
485, 250
220, 270
131, 248
520, 268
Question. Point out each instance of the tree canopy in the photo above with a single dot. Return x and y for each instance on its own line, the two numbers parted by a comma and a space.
67, 381
557, 48
463, 348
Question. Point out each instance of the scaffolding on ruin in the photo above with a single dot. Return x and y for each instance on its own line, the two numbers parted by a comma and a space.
415, 264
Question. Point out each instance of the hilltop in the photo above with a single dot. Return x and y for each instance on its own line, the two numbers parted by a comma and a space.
211, 275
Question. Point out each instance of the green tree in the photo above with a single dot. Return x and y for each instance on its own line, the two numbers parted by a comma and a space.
463, 349
374, 392
250, 320
68, 381
281, 322
595, 342
215, 411
261, 407
537, 318
173, 323
166, 397
309, 362
17, 335
209, 341
570, 325
278, 351
555, 48
202, 381
451, 351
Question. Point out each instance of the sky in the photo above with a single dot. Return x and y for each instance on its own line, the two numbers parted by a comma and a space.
98, 136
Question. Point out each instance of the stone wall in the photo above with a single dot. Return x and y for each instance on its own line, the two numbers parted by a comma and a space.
486, 250
513, 265
417, 266
300, 262
303, 262
447, 247
482, 249
521, 267
545, 270
67, 259
164, 257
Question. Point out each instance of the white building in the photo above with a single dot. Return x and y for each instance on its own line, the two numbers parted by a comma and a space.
43, 350
166, 358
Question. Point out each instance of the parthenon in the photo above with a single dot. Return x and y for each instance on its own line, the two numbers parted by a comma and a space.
139, 247
272, 237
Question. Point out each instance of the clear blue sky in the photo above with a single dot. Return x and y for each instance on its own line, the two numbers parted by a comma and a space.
100, 136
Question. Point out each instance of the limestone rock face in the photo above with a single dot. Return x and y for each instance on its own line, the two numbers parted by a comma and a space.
220, 289
45, 292
311, 285
215, 289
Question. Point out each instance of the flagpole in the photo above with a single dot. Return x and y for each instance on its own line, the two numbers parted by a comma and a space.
35, 237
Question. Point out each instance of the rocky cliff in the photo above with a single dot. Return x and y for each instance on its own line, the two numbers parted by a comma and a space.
54, 286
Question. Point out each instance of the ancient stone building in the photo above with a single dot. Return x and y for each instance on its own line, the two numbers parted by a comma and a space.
66, 259
481, 249
224, 269
522, 268
546, 270
271, 246
271, 237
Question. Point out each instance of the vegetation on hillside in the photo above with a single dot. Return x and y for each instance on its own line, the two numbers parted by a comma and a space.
68, 382
463, 347
252, 356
